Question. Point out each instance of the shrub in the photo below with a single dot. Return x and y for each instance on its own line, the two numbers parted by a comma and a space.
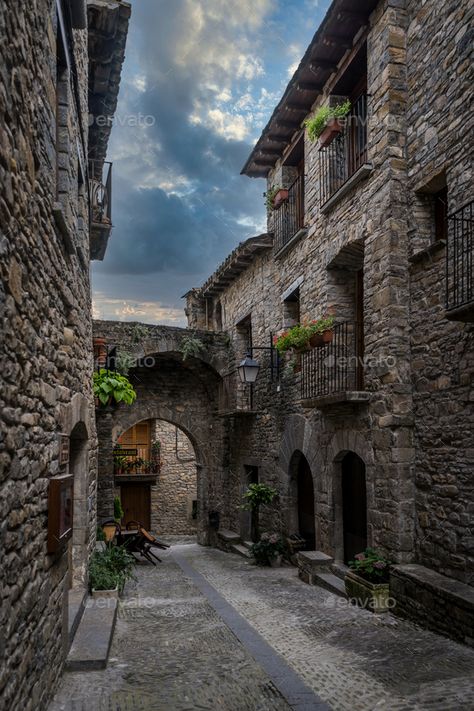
371, 565
298, 336
191, 346
258, 494
109, 385
111, 568
268, 547
317, 123
118, 510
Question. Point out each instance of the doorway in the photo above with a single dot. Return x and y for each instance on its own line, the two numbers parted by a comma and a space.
135, 500
354, 506
305, 499
248, 524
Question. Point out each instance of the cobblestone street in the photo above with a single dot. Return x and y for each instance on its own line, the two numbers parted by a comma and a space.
206, 630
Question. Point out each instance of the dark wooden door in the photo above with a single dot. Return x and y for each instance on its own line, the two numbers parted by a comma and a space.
136, 503
306, 504
354, 506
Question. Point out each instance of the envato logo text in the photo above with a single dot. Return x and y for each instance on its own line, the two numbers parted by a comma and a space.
129, 120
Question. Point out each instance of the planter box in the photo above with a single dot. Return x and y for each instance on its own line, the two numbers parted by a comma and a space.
96, 594
333, 129
280, 198
320, 339
372, 596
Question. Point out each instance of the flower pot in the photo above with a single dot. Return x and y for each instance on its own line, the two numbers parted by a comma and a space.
105, 593
320, 339
333, 129
280, 198
372, 596
276, 561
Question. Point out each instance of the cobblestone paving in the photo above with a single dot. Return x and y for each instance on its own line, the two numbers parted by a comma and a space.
172, 652
353, 660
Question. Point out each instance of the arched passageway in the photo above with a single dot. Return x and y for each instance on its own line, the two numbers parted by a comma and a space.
354, 505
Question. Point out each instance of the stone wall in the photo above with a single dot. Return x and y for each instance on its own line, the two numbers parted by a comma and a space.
176, 489
415, 434
46, 359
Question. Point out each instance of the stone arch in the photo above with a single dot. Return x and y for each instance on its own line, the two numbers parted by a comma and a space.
299, 439
302, 504
343, 443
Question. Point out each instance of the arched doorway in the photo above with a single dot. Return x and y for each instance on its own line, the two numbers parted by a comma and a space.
155, 476
78, 544
302, 496
354, 505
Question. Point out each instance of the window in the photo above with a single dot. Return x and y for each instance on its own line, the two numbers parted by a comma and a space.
291, 309
244, 334
440, 208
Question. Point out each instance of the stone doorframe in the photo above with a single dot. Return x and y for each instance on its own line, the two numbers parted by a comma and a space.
299, 437
342, 443
121, 420
74, 419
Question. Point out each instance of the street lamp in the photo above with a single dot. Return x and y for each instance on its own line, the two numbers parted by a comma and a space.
248, 369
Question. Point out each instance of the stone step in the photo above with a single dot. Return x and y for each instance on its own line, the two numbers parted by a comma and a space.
91, 645
228, 536
330, 582
76, 603
247, 544
315, 559
340, 569
241, 550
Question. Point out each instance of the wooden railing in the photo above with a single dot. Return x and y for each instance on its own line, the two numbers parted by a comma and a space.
130, 462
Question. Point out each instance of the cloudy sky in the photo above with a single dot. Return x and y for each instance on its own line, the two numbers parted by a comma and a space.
200, 80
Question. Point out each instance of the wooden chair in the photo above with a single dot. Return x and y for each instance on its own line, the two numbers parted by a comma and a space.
143, 542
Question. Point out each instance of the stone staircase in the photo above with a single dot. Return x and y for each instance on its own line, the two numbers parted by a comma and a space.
232, 543
317, 568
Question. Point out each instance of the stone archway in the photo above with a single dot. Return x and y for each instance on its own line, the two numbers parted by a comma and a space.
349, 452
302, 514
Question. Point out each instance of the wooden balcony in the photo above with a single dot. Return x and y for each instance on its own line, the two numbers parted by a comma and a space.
288, 220
131, 466
460, 265
100, 191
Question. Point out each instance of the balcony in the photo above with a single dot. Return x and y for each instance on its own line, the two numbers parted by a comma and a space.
460, 264
343, 163
100, 190
288, 220
133, 465
333, 373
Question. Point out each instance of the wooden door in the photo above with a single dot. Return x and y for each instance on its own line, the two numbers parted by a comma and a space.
354, 506
138, 437
136, 503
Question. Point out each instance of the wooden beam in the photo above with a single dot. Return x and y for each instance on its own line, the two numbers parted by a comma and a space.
352, 15
309, 86
275, 138
336, 41
269, 152
326, 64
266, 163
296, 107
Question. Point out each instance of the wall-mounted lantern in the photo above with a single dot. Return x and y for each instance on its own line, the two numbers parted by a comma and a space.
248, 369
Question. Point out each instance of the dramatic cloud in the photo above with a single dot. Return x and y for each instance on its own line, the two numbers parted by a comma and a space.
200, 80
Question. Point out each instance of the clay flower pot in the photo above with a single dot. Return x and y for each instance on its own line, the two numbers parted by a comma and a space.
333, 129
320, 339
280, 198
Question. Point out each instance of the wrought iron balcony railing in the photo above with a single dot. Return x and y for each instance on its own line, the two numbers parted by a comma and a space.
346, 153
460, 259
335, 367
100, 186
134, 462
289, 218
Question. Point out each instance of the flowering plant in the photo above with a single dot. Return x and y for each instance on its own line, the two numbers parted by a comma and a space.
299, 336
371, 566
268, 547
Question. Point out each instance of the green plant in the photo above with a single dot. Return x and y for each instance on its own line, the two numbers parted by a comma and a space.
317, 123
139, 333
100, 535
109, 385
191, 346
124, 362
267, 548
118, 510
258, 494
111, 568
270, 197
298, 336
371, 565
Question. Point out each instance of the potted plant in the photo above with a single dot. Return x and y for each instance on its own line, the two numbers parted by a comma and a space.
118, 510
327, 123
268, 550
323, 332
109, 386
109, 570
367, 582
120, 465
305, 335
257, 495
275, 197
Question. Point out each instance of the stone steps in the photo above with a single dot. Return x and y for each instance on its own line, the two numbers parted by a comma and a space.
241, 549
330, 582
91, 645
247, 544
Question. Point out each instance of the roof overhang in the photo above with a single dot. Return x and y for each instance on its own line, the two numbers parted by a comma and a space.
107, 34
333, 39
237, 262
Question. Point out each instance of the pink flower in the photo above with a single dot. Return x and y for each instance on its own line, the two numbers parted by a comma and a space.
360, 556
379, 564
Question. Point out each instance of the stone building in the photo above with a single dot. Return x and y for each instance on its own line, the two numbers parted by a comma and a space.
54, 217
371, 442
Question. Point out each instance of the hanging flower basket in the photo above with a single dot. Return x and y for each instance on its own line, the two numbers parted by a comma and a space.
333, 129
280, 198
